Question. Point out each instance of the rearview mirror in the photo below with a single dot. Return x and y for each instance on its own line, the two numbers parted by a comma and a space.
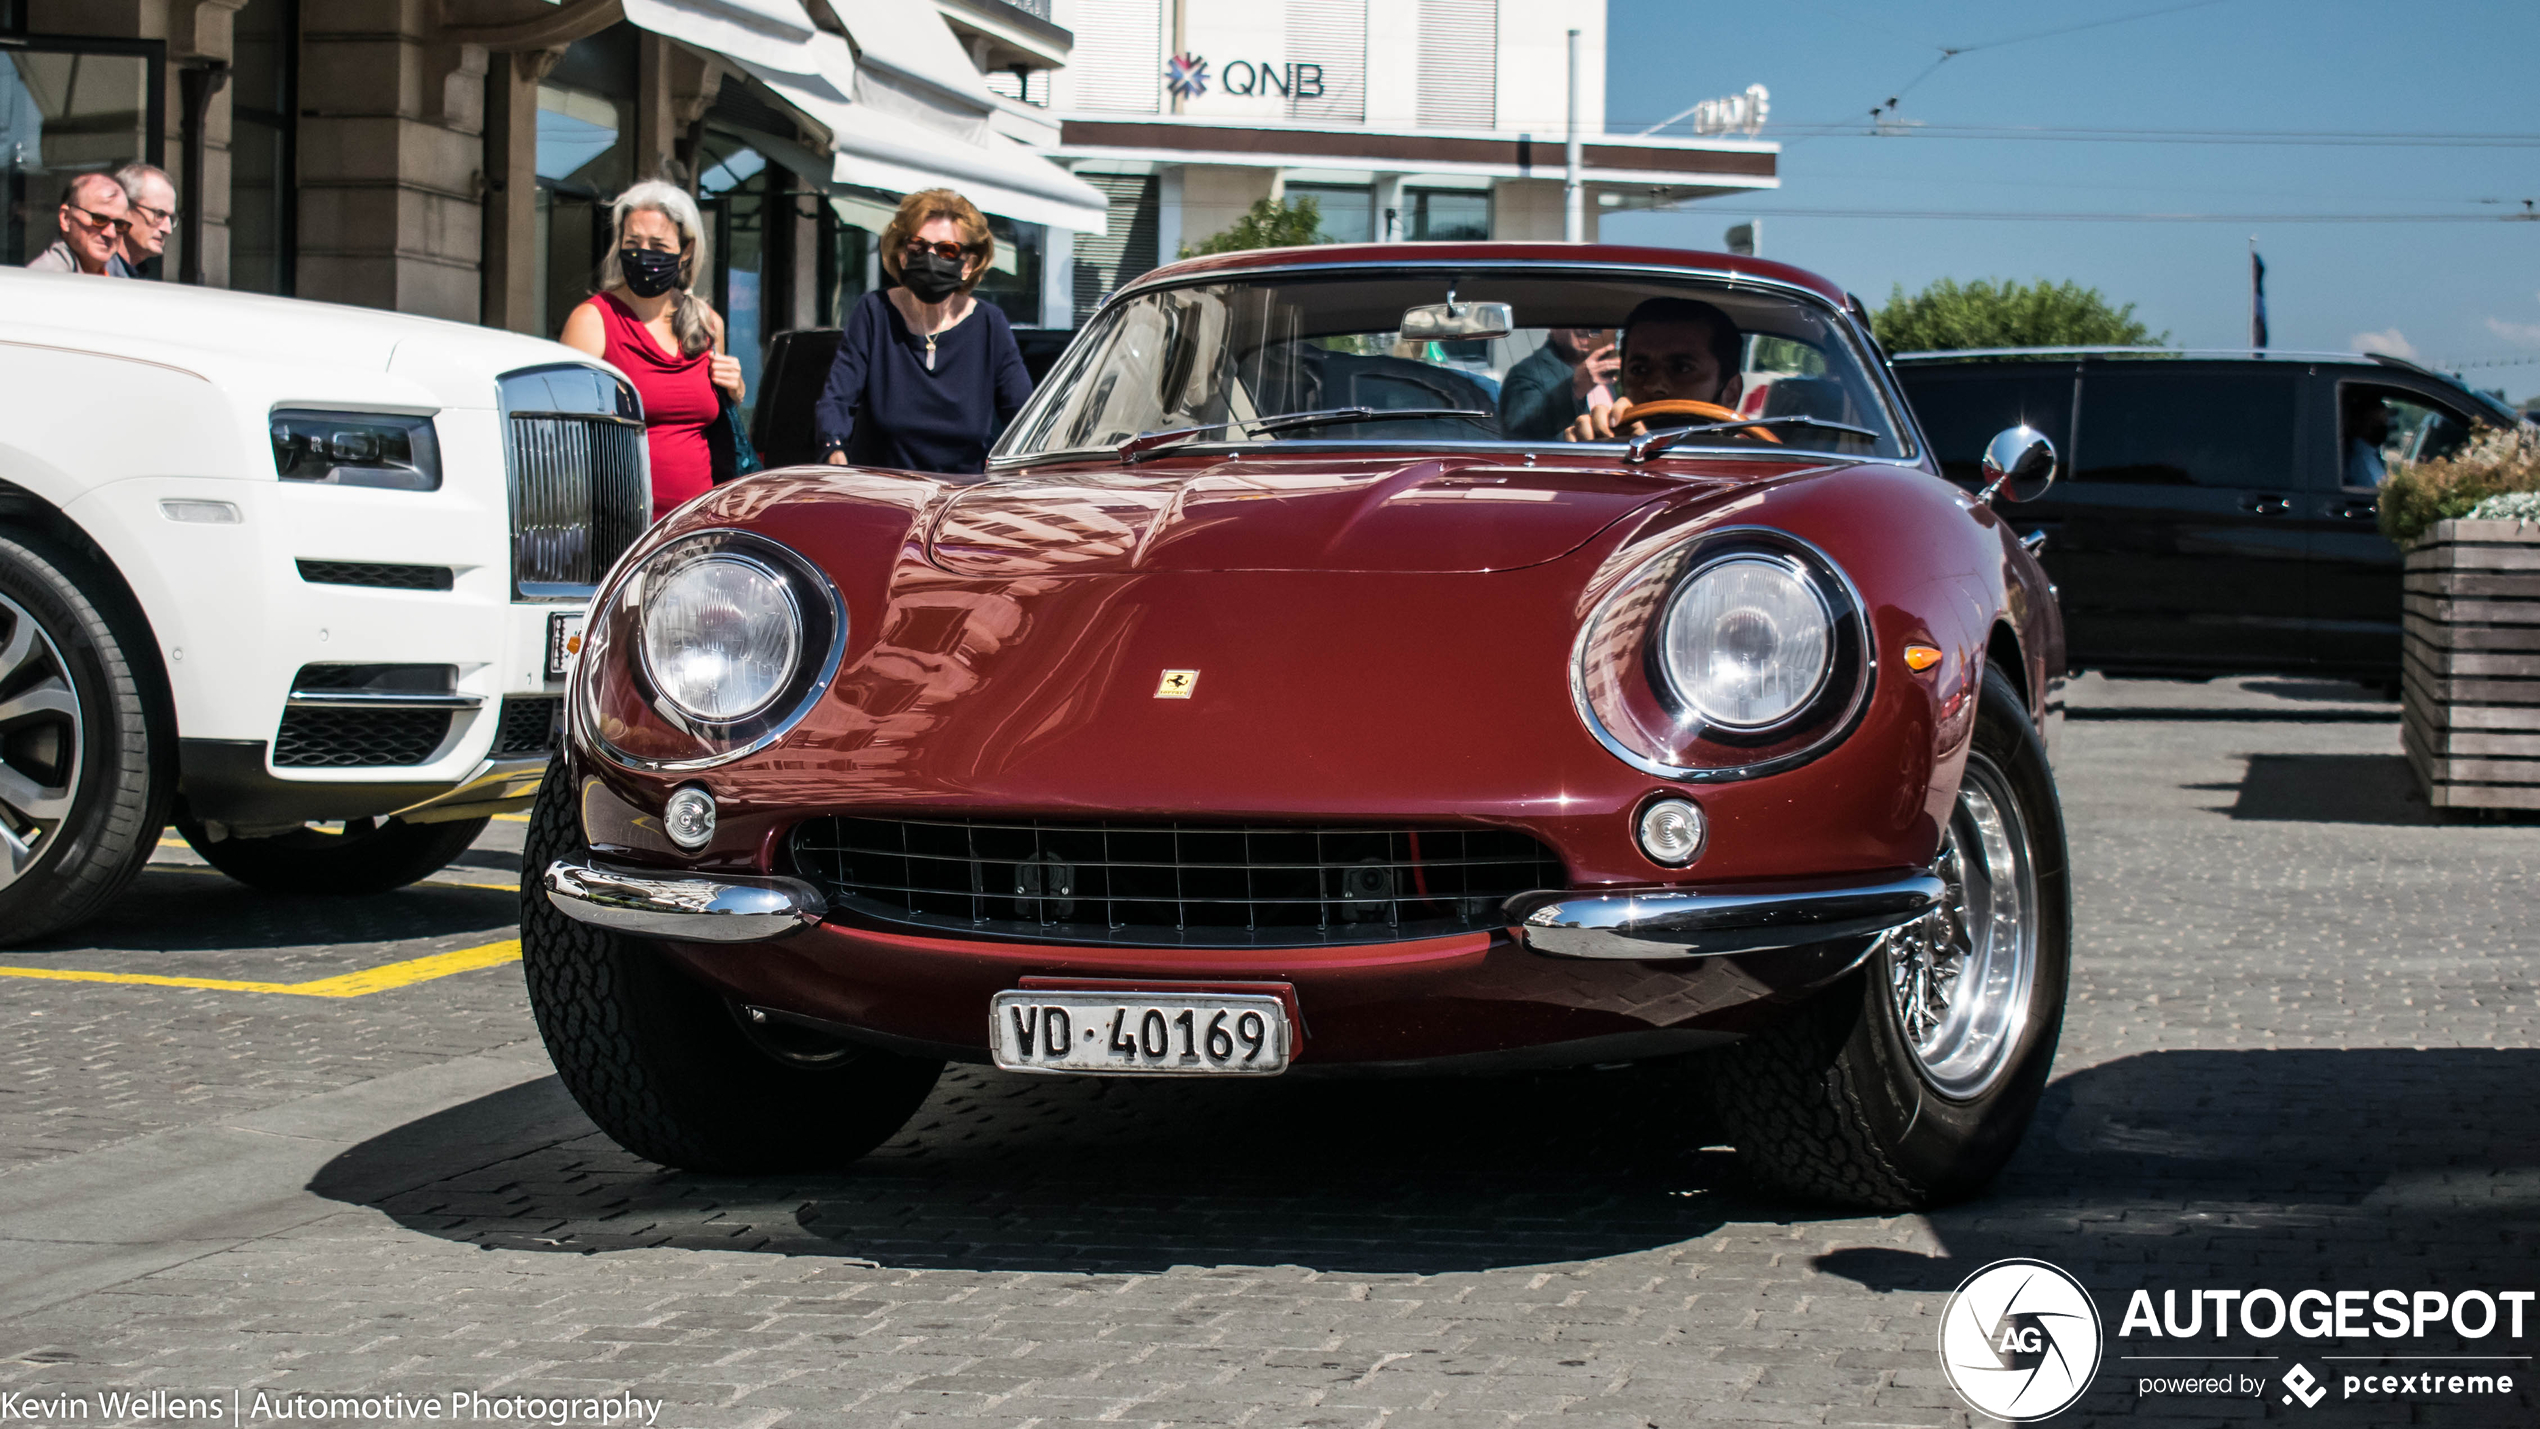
2019, 464
1457, 322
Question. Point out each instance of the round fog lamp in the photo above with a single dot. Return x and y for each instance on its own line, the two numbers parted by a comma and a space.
689, 817
1671, 832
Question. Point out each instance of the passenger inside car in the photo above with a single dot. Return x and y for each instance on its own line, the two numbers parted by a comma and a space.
1674, 349
2366, 421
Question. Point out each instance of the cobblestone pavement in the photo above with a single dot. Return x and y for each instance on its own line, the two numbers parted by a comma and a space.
2303, 1050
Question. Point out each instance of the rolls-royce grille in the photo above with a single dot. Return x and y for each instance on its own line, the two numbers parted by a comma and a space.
1173, 884
528, 725
579, 498
347, 739
376, 573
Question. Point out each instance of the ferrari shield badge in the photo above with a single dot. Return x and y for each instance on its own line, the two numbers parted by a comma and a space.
1176, 684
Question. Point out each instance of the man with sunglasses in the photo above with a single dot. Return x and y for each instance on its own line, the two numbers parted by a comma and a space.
94, 216
153, 204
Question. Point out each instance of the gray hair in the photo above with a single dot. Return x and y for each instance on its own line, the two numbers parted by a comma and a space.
688, 315
133, 175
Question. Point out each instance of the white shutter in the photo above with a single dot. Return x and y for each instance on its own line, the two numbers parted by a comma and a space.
1332, 34
1459, 64
1118, 60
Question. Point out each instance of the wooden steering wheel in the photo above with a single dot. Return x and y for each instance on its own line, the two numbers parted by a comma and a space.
1682, 407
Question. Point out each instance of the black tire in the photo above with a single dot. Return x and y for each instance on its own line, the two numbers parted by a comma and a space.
662, 1063
369, 856
87, 746
1836, 1104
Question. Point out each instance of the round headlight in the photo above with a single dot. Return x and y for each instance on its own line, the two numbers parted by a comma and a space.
1747, 642
721, 637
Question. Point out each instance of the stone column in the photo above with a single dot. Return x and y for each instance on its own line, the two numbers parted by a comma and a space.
511, 190
390, 159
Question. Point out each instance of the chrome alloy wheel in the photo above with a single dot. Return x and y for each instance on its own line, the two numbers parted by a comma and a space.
1960, 976
41, 742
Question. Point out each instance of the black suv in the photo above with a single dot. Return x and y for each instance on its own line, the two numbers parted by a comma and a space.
2215, 512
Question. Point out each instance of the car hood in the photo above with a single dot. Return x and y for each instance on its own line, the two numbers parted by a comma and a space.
1430, 514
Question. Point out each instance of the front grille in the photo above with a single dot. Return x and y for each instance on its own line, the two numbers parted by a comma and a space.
373, 573
528, 725
1173, 884
579, 498
346, 739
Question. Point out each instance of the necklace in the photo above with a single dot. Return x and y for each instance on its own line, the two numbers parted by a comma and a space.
930, 352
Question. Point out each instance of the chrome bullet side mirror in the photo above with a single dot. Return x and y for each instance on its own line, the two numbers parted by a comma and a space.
2019, 464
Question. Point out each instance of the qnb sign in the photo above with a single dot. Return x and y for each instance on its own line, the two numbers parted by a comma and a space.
1186, 76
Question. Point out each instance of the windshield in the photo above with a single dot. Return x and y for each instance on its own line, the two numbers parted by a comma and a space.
1229, 354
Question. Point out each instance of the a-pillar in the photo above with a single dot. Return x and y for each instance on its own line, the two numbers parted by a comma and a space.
391, 159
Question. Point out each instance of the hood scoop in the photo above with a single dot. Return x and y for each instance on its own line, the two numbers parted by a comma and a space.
1428, 516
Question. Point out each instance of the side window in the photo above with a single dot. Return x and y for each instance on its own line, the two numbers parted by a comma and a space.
1962, 411
2379, 426
2229, 429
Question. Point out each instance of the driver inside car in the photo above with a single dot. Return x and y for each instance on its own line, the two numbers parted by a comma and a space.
1674, 349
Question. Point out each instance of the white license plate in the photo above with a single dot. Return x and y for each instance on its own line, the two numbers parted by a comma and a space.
564, 641
1171, 1034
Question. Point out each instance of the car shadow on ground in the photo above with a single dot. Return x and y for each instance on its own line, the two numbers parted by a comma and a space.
2329, 789
183, 908
2185, 1164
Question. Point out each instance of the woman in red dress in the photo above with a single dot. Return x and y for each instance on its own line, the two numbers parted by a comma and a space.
645, 322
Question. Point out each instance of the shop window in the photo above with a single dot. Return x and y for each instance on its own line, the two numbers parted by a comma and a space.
70, 107
734, 188
1448, 215
586, 111
263, 206
1345, 211
1014, 283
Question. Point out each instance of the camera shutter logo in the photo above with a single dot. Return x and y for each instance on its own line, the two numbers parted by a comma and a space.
2020, 1340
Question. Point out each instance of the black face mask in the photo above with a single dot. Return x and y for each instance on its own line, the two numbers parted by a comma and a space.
931, 277
649, 272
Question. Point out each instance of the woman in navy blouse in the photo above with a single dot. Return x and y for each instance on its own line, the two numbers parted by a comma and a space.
926, 376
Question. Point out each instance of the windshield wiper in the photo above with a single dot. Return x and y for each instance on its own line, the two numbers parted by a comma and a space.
1137, 447
1645, 447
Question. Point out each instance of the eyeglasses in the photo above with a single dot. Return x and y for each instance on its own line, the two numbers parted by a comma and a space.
951, 252
119, 225
158, 217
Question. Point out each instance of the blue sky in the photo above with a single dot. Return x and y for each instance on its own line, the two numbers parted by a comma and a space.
2443, 292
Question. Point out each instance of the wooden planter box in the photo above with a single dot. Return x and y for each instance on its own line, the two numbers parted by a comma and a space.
2470, 678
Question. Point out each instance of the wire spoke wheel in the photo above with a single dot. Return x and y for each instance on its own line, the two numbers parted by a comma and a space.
1961, 976
41, 742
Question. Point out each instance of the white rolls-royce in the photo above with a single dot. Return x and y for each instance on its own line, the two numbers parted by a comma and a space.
303, 579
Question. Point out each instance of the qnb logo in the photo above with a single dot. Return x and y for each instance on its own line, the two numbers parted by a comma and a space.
2020, 1340
2305, 1385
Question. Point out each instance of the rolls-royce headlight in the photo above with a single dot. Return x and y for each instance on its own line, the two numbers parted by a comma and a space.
1747, 642
722, 635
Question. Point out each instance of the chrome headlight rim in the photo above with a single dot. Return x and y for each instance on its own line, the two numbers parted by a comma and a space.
1840, 702
618, 614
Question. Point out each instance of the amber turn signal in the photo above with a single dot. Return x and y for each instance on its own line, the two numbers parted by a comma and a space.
1921, 657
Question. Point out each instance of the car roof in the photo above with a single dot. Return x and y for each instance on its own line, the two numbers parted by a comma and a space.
2201, 354
1550, 255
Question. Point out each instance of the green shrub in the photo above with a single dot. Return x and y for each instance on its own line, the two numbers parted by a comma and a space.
2494, 462
1949, 315
1267, 224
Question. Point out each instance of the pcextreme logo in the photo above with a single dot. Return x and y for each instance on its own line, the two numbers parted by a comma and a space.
2019, 1340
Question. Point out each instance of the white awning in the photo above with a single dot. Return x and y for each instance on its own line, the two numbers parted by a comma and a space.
880, 150
813, 70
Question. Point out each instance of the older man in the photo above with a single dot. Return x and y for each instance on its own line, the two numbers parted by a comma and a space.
1674, 349
153, 201
93, 216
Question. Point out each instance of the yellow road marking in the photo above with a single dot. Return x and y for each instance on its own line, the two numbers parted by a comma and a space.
427, 882
360, 984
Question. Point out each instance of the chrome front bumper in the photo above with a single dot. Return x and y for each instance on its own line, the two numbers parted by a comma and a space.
1653, 924
691, 908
